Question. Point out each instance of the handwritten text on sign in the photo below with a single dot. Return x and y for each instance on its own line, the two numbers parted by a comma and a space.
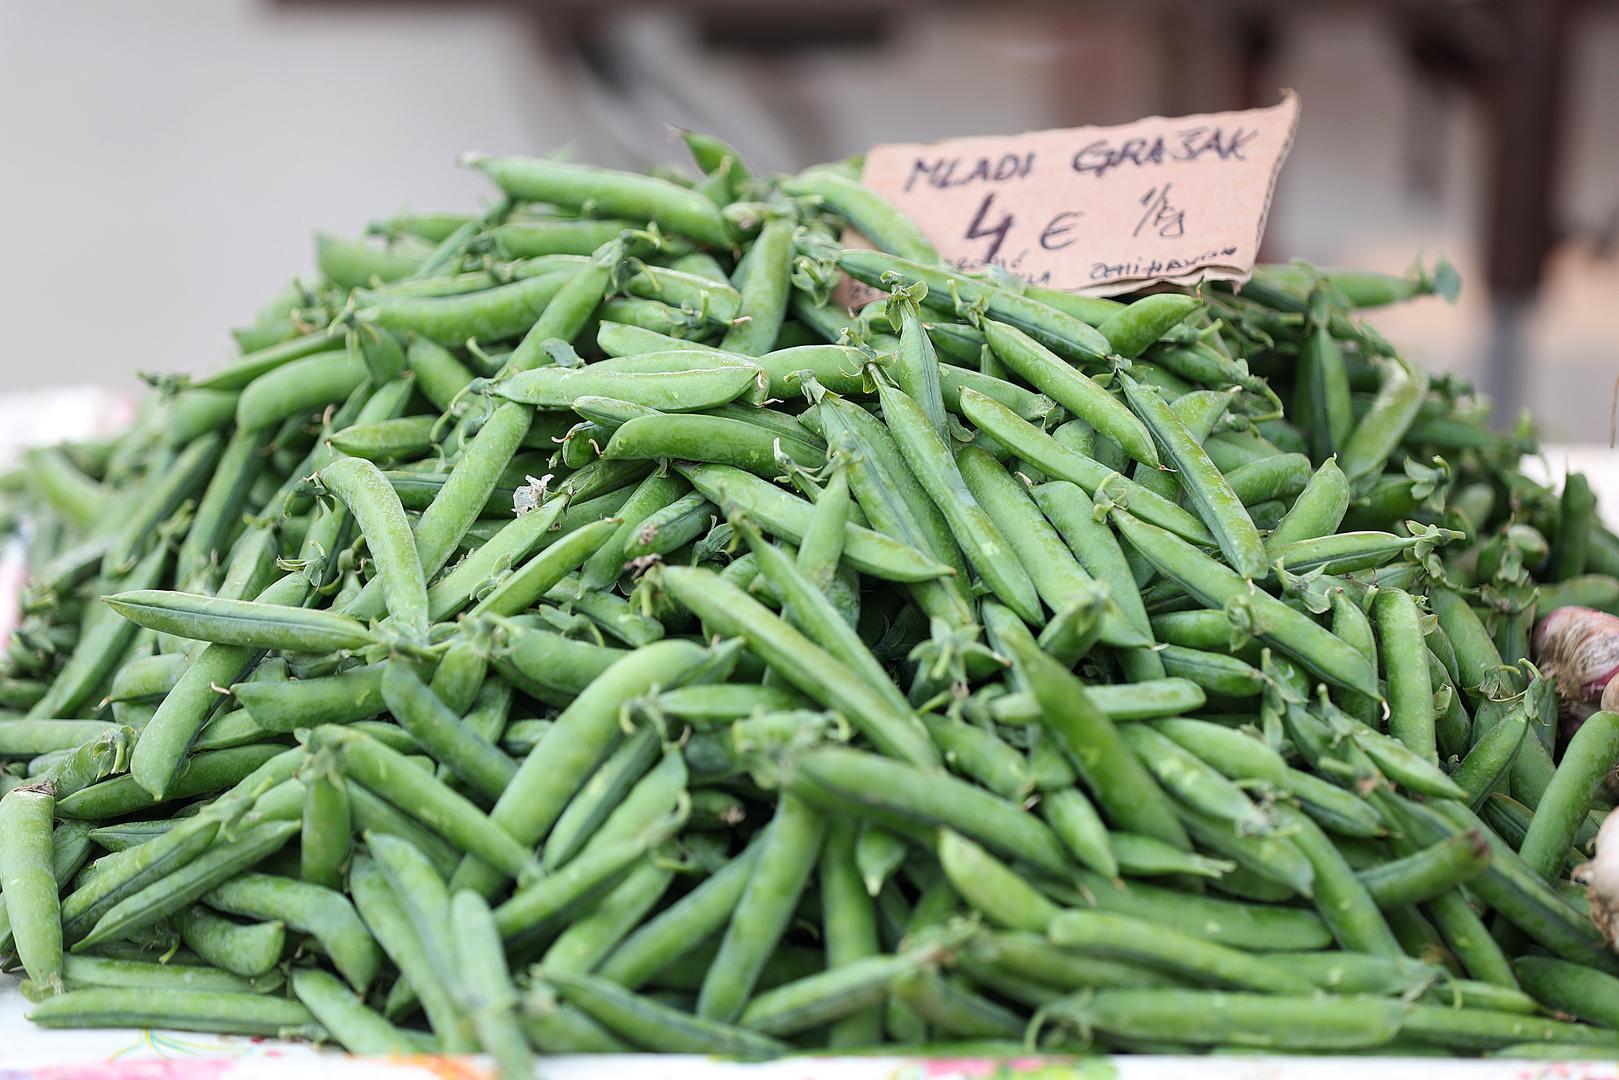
1098, 209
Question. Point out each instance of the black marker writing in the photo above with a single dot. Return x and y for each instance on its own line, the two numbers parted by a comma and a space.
1161, 217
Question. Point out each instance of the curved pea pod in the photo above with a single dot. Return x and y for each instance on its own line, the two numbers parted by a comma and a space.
402, 438
1280, 476
814, 613
873, 216
1234, 753
1275, 623
930, 460
1379, 432
839, 368
1347, 552
894, 501
28, 881
1317, 511
561, 763
1068, 336
387, 773
1240, 924
489, 315
1405, 660
887, 790
608, 192
241, 622
1127, 792
220, 862
1131, 329
529, 582
1191, 780
200, 774
1207, 489
1589, 755
817, 673
443, 733
512, 544
1267, 857
678, 390
325, 914
765, 278
1333, 807
1574, 989
837, 995
713, 299
1341, 900
1069, 388
1405, 766
1053, 458
245, 368
245, 949
1491, 756
377, 511
356, 1027
353, 262
992, 887
788, 516
713, 439
671, 528
1321, 404
550, 667
298, 387
1488, 1029
1059, 578
1024, 404
1215, 672
351, 695
1427, 872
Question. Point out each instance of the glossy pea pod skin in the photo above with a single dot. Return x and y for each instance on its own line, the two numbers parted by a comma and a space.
388, 535
677, 209
1206, 487
1072, 390
932, 464
28, 883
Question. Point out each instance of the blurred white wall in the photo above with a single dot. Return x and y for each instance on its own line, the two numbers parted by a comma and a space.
167, 161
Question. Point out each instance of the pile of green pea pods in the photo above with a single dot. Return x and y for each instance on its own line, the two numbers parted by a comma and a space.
568, 628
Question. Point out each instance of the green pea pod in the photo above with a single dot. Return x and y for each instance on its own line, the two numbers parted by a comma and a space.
28, 882
240, 622
788, 517
609, 192
875, 217
1132, 329
1377, 434
1274, 622
1206, 487
1067, 336
1069, 388
1126, 790
764, 278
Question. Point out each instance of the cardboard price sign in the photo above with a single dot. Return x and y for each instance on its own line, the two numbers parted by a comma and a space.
1098, 209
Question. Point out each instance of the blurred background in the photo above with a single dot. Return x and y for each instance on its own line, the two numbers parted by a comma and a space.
167, 161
